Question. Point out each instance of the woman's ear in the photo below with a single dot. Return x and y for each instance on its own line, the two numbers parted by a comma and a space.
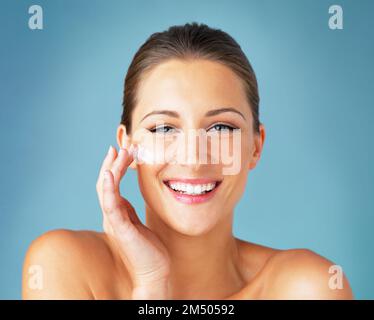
258, 143
124, 141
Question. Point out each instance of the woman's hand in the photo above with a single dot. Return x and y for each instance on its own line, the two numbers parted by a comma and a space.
143, 254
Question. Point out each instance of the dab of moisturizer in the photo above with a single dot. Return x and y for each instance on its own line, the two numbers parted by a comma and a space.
142, 154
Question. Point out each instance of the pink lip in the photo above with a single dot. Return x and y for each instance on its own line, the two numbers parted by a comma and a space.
193, 181
192, 199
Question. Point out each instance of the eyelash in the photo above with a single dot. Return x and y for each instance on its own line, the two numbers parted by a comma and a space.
154, 130
230, 128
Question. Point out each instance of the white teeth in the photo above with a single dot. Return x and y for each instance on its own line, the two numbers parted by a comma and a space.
192, 188
197, 189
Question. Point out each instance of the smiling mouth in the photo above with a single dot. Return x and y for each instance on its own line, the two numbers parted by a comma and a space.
193, 187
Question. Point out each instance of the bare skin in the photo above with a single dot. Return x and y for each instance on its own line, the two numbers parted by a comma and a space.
182, 251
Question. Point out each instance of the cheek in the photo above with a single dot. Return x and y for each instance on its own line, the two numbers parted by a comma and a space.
246, 147
235, 187
148, 179
235, 155
236, 173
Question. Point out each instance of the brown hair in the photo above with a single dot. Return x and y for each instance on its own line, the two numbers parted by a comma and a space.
189, 41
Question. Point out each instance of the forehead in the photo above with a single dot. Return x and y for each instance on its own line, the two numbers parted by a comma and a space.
190, 85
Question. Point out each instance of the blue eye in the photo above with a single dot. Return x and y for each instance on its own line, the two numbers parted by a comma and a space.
222, 127
162, 129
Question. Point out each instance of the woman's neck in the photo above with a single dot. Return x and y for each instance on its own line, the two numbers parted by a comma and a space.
202, 267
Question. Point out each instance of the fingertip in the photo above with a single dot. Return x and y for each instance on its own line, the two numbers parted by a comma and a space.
131, 148
110, 156
127, 153
123, 150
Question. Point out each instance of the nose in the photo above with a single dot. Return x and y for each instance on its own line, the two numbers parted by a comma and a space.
195, 149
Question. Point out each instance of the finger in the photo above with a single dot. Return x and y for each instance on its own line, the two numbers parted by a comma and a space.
107, 164
131, 212
121, 164
109, 193
108, 160
126, 143
119, 221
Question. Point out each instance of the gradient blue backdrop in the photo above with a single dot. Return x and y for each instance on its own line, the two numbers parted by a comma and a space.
60, 100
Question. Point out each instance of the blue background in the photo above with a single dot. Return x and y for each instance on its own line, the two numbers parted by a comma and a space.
60, 104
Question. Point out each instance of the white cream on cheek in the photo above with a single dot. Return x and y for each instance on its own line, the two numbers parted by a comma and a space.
222, 152
142, 154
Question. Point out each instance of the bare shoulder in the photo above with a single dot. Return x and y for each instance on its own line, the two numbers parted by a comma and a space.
255, 256
304, 274
61, 264
294, 274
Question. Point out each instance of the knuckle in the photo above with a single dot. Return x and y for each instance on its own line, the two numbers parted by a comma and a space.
109, 207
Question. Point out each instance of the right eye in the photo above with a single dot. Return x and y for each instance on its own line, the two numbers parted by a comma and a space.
162, 129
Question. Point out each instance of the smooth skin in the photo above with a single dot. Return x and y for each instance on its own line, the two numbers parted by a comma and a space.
182, 251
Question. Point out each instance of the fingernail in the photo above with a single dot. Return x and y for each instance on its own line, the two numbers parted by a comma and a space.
132, 149
110, 149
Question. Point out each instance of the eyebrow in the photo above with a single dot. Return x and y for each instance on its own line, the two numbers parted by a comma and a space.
222, 110
167, 112
210, 113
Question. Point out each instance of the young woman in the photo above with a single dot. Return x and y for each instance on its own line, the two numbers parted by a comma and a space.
188, 77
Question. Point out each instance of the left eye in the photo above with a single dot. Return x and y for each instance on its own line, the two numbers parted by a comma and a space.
222, 127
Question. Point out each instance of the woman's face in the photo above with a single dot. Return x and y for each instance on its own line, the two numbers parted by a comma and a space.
179, 98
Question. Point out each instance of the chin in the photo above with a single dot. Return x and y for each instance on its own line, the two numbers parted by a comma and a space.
192, 222
191, 226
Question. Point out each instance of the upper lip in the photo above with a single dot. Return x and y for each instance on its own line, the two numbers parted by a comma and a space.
192, 180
